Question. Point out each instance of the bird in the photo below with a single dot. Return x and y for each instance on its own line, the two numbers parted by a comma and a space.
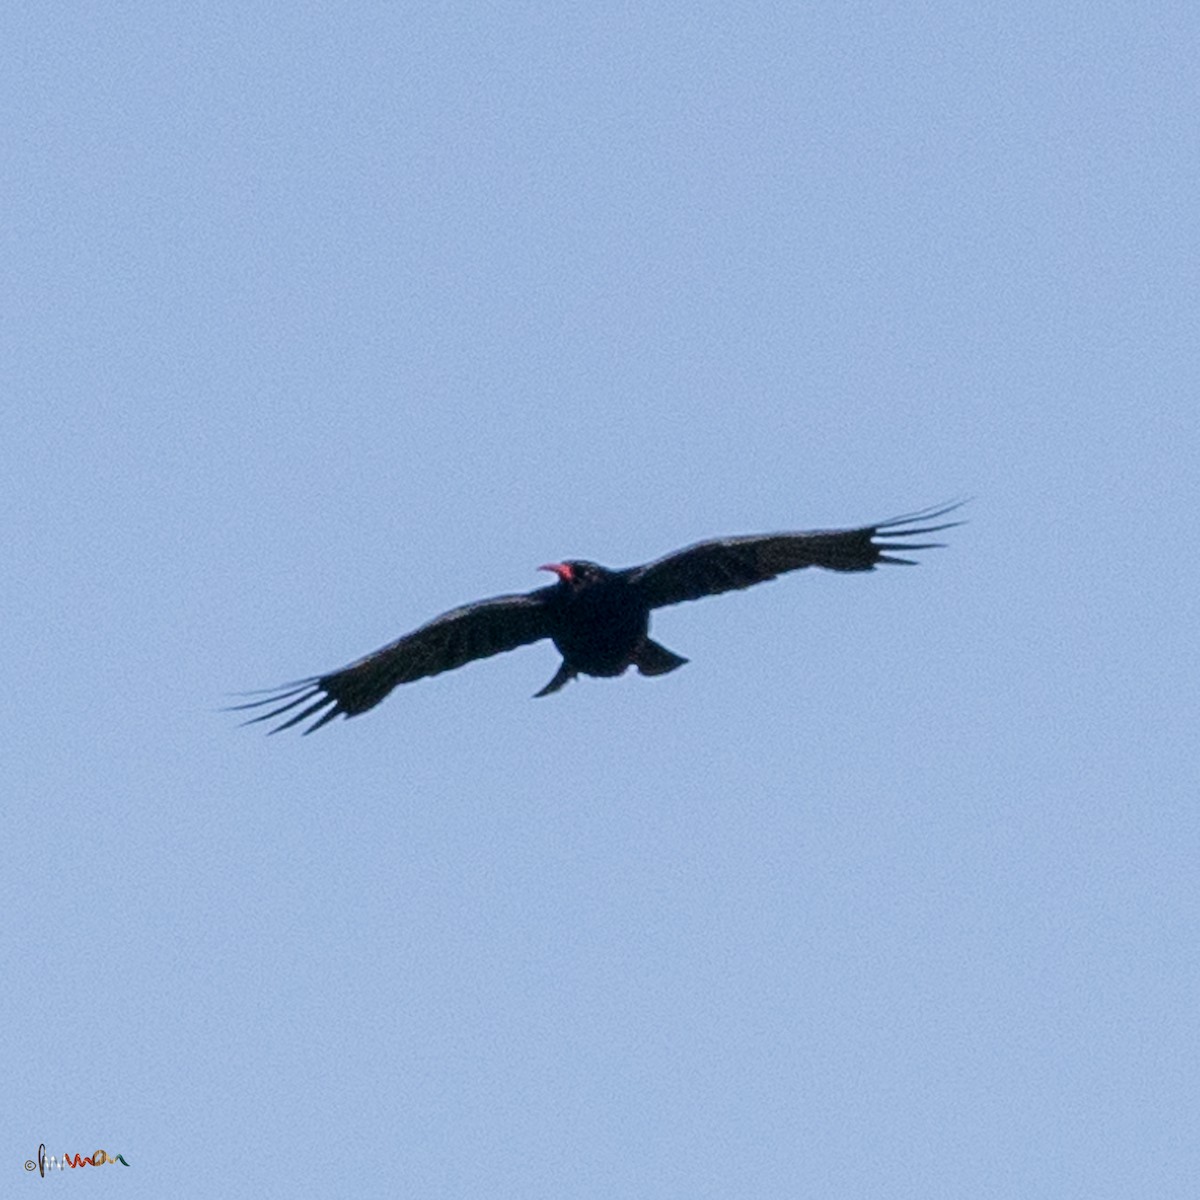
597, 617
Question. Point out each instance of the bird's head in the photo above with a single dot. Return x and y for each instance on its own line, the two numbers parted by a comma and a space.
576, 573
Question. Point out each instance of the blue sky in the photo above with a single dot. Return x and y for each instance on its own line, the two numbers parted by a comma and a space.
319, 321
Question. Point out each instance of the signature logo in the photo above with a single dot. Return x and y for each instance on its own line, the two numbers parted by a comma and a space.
98, 1159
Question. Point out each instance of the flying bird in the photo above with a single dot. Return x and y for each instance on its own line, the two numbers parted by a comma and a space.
599, 619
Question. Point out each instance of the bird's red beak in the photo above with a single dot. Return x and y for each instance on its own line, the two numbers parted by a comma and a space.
562, 570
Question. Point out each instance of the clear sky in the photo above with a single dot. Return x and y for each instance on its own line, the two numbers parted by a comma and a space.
319, 320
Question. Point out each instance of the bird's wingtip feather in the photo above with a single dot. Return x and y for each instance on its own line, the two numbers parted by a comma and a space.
324, 719
932, 513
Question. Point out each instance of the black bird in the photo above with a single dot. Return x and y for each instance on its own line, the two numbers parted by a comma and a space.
598, 618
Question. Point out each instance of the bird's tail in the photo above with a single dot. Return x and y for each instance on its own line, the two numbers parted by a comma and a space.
653, 659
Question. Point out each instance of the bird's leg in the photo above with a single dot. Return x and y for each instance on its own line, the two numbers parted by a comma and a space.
653, 659
562, 676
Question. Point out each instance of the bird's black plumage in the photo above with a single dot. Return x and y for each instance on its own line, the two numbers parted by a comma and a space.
599, 619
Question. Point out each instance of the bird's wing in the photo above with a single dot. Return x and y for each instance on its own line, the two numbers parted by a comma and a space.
456, 637
721, 565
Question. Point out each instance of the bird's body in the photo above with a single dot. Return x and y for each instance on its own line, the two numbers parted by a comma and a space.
600, 624
595, 618
599, 619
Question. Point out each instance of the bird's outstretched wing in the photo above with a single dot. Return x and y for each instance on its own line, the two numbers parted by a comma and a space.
721, 565
456, 637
